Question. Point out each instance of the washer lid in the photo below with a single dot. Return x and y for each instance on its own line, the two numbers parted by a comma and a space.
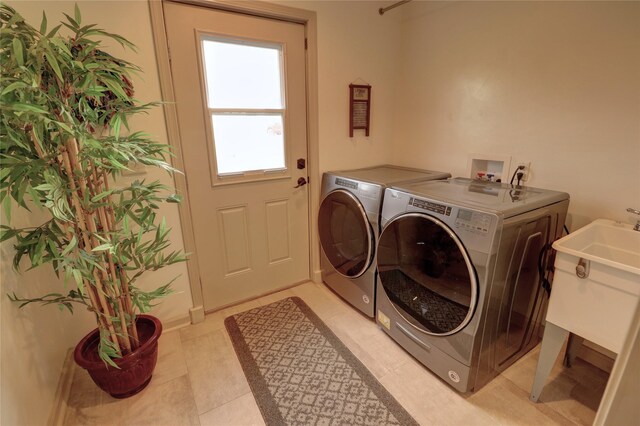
387, 175
510, 200
345, 233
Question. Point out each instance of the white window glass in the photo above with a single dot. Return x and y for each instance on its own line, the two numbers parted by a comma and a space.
248, 142
242, 76
245, 98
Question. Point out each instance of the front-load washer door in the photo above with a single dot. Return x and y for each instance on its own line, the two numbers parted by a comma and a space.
427, 274
345, 233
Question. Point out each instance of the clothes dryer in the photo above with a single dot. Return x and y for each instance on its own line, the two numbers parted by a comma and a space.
348, 225
461, 266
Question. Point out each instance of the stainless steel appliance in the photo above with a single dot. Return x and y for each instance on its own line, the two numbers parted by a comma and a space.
459, 266
349, 227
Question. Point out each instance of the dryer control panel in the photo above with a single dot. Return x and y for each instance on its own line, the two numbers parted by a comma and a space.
360, 189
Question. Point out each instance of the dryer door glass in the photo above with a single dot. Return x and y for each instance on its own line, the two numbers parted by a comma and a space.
427, 274
345, 233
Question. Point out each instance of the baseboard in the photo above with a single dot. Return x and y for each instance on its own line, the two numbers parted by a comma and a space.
595, 357
61, 398
317, 276
175, 323
197, 314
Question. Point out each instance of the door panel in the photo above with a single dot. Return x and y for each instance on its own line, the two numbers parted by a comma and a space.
251, 225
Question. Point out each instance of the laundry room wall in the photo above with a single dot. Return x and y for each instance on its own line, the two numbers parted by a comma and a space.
553, 83
35, 339
355, 43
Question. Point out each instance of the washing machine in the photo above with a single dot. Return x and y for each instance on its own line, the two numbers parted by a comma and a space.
463, 273
348, 225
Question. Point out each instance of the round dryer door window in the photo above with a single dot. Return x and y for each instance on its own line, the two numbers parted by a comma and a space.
345, 233
426, 273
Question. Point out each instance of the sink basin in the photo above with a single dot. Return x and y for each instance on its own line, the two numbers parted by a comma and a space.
605, 241
599, 304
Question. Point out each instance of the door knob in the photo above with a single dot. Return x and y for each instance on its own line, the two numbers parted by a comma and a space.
301, 182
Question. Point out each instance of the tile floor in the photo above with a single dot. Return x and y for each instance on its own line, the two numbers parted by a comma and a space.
198, 380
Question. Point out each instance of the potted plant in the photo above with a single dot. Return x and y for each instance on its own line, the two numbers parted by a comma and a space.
65, 103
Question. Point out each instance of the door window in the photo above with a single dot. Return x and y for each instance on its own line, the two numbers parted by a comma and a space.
345, 234
427, 274
246, 107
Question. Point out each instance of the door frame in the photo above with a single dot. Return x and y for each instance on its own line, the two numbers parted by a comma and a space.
260, 9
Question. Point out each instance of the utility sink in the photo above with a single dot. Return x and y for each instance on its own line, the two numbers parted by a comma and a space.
596, 285
607, 242
595, 291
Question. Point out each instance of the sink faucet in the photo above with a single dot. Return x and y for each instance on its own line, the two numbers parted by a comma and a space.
634, 211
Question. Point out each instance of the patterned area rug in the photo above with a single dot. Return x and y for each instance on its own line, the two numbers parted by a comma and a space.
301, 374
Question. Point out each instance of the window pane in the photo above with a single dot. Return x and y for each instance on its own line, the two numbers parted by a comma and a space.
242, 76
248, 142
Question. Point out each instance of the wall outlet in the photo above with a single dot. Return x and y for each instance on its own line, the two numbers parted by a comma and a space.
526, 170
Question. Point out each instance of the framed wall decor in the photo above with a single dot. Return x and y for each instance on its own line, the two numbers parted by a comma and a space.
359, 108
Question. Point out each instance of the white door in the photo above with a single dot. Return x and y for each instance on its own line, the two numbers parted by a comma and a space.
239, 85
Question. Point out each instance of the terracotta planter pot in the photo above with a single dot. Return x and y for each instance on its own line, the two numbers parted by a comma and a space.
136, 368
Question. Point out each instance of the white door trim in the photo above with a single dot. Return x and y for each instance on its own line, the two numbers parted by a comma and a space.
256, 8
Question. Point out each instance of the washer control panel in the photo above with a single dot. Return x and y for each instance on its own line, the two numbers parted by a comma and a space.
432, 207
474, 222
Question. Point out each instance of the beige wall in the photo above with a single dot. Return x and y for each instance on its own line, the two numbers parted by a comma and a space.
35, 339
354, 44
554, 83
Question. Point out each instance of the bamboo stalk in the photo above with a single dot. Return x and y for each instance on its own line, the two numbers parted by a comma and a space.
97, 300
124, 280
91, 224
106, 229
32, 135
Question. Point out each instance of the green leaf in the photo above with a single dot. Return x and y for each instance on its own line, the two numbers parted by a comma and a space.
4, 173
72, 244
54, 31
174, 198
101, 195
125, 225
17, 50
6, 205
115, 87
39, 250
7, 233
29, 108
13, 86
103, 247
43, 25
77, 13
116, 122
54, 65
35, 197
77, 275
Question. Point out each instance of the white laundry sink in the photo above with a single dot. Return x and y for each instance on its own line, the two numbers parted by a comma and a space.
599, 306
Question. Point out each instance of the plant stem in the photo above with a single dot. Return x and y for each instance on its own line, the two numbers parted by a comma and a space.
106, 229
124, 279
95, 295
